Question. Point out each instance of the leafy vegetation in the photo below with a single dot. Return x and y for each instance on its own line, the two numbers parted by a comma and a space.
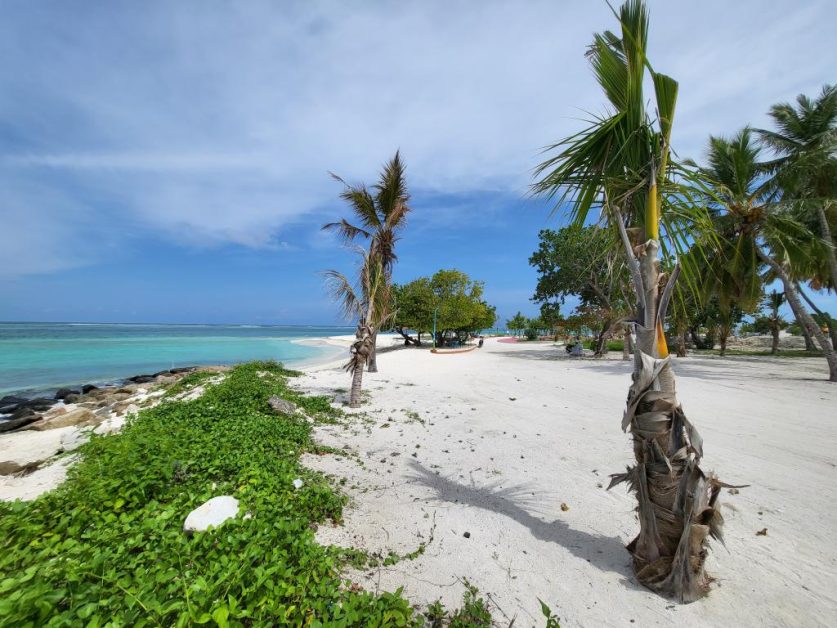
108, 546
517, 323
582, 261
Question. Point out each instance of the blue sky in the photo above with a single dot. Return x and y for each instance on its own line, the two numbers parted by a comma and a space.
168, 162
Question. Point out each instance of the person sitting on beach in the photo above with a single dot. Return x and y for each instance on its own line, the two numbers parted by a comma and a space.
577, 350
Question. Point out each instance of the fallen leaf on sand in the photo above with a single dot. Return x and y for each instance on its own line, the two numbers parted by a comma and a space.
762, 532
564, 507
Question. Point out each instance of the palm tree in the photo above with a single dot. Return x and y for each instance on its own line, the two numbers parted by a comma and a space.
805, 145
380, 215
621, 164
757, 229
774, 301
369, 304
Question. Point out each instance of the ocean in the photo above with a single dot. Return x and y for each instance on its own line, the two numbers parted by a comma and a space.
41, 357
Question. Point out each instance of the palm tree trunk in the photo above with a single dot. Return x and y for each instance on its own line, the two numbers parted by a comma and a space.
681, 344
802, 314
676, 501
626, 343
723, 335
372, 363
774, 347
826, 235
601, 341
832, 333
809, 342
357, 379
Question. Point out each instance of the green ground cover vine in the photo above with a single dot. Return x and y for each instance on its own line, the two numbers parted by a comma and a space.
108, 548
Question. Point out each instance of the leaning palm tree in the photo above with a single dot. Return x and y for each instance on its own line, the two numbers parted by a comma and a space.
805, 146
758, 227
621, 164
380, 214
368, 302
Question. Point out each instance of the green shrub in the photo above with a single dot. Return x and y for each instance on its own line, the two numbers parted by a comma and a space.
531, 334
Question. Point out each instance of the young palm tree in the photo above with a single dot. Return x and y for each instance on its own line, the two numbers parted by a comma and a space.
774, 301
380, 215
621, 164
369, 304
805, 144
757, 228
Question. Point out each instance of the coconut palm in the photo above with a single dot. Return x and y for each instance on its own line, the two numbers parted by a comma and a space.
380, 214
774, 301
756, 228
621, 165
805, 145
368, 302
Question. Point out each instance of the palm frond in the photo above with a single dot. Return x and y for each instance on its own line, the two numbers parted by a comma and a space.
347, 232
340, 289
391, 194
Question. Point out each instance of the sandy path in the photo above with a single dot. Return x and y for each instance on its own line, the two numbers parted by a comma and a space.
445, 451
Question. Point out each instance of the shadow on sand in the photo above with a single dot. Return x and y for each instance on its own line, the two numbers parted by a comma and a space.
703, 367
605, 553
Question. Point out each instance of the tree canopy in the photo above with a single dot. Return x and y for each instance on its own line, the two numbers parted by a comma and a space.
582, 261
455, 297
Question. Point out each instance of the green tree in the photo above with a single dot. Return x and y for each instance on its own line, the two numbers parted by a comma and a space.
804, 145
456, 299
583, 261
551, 316
775, 322
414, 304
516, 323
621, 164
380, 214
755, 228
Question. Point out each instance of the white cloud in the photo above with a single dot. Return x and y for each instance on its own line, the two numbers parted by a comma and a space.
216, 123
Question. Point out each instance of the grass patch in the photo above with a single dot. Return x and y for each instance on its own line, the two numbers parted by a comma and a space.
107, 547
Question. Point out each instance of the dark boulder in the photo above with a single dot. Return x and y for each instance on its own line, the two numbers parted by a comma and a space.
64, 392
14, 424
72, 398
182, 369
9, 403
9, 400
141, 379
88, 388
22, 412
39, 404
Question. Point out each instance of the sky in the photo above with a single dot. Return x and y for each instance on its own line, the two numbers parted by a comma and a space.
168, 161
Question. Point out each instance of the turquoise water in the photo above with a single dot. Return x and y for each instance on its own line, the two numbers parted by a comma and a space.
37, 357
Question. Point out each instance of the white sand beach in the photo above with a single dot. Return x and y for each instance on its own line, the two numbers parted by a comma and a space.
498, 461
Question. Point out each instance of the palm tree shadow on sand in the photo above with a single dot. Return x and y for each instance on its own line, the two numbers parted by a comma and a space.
605, 553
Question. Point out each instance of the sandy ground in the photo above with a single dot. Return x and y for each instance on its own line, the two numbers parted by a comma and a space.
474, 455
